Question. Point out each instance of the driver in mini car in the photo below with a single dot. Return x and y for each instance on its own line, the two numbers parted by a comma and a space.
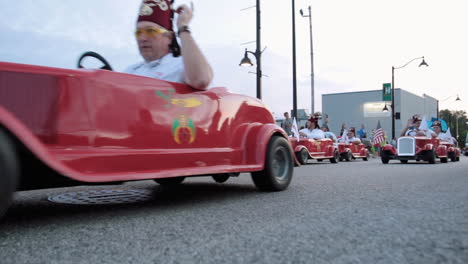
413, 128
157, 42
313, 130
328, 134
437, 128
350, 137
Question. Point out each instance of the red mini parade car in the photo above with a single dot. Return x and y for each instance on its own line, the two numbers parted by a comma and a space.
352, 151
416, 148
453, 152
306, 148
64, 127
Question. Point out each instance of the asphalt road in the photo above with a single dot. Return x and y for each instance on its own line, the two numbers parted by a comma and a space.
350, 212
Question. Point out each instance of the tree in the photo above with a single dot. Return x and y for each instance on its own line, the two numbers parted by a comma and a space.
452, 118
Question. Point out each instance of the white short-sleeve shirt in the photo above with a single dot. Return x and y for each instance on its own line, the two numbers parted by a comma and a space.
168, 68
314, 133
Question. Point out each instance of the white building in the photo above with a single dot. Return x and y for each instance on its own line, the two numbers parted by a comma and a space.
356, 108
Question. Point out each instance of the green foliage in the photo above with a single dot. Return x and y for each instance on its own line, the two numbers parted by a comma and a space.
451, 117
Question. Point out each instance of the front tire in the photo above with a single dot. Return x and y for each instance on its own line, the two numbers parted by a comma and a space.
348, 156
430, 156
336, 157
278, 171
302, 156
384, 157
220, 178
452, 156
9, 171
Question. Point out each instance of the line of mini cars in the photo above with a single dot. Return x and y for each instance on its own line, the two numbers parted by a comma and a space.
326, 149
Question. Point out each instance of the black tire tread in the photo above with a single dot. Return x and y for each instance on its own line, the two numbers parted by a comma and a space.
265, 180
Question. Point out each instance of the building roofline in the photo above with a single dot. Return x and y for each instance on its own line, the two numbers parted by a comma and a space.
358, 92
423, 95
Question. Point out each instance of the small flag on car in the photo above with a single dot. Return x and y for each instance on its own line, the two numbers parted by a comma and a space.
294, 129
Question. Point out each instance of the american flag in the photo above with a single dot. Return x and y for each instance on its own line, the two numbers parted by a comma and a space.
379, 136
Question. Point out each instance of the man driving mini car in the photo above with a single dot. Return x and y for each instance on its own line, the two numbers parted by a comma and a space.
413, 128
350, 137
313, 129
160, 50
437, 128
328, 134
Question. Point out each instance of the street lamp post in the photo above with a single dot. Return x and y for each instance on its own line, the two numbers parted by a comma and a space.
294, 114
423, 63
312, 89
257, 54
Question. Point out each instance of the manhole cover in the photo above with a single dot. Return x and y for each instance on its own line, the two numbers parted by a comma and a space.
116, 196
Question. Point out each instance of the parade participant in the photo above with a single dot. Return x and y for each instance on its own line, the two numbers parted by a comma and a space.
313, 129
412, 127
343, 129
437, 128
362, 132
328, 134
286, 124
415, 127
350, 137
157, 43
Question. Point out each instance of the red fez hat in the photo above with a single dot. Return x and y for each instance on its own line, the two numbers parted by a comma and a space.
437, 123
313, 119
352, 129
157, 11
416, 118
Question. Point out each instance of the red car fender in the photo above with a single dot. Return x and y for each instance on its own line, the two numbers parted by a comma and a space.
341, 147
428, 147
389, 147
258, 140
298, 148
330, 150
441, 151
363, 152
23, 134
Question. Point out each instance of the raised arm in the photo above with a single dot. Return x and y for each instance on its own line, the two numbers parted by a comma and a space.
408, 124
198, 72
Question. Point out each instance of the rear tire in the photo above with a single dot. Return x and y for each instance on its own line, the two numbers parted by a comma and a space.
443, 160
278, 171
170, 181
9, 171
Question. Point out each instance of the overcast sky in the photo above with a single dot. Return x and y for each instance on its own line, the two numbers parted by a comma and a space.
356, 43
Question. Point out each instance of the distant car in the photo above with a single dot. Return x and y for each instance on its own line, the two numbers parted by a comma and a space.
415, 148
353, 151
466, 149
64, 127
306, 148
453, 152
